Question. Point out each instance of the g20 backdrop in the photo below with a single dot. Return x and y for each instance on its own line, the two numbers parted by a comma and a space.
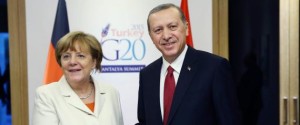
121, 27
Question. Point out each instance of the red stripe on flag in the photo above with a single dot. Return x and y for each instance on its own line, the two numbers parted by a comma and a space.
53, 71
185, 9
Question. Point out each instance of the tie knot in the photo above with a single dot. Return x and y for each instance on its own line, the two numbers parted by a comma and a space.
170, 69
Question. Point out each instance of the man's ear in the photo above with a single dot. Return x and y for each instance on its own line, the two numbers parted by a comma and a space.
187, 28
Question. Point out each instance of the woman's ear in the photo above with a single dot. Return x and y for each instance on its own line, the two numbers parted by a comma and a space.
94, 64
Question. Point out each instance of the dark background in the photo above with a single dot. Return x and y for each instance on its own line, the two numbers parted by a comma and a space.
3, 16
5, 106
254, 55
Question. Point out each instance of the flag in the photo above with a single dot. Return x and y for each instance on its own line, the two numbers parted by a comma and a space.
185, 9
53, 71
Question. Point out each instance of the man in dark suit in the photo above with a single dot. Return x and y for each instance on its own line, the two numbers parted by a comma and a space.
203, 94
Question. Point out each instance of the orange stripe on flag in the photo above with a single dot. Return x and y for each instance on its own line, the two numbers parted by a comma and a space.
53, 71
185, 9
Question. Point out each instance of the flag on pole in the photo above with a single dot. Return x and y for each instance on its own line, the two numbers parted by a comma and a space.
53, 71
185, 9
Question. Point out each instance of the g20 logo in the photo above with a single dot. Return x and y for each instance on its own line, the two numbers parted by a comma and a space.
123, 49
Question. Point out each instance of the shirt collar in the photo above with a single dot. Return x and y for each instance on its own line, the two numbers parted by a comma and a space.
177, 64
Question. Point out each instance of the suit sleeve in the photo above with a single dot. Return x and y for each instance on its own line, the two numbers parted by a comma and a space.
141, 110
224, 95
44, 112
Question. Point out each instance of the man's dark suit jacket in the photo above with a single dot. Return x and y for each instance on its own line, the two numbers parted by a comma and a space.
205, 93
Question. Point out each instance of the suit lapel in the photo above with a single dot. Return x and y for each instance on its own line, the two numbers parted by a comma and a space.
188, 70
156, 91
71, 97
100, 94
